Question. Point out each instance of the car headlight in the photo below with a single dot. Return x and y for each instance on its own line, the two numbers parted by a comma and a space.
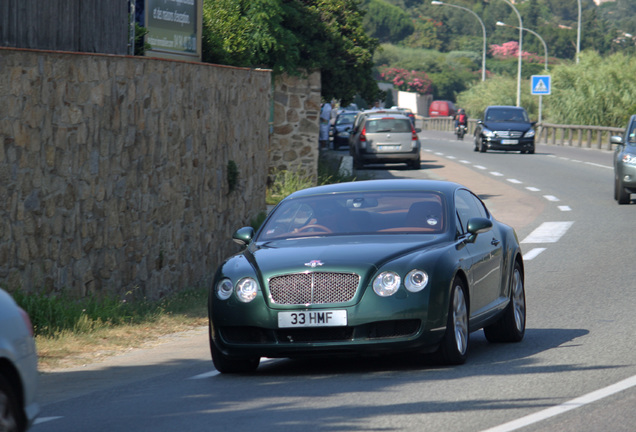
246, 290
487, 133
224, 289
416, 280
386, 284
629, 159
530, 133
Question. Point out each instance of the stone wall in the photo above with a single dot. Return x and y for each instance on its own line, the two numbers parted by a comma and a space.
114, 170
294, 144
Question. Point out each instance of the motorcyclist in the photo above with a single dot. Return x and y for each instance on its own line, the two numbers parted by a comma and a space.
460, 119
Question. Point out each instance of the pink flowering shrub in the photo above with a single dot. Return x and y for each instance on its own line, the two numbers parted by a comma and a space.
411, 81
510, 50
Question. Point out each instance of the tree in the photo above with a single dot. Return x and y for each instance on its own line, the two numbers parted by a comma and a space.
293, 35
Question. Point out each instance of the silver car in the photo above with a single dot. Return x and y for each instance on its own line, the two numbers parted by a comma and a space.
18, 367
385, 137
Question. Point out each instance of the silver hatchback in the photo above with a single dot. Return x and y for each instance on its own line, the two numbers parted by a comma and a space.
385, 138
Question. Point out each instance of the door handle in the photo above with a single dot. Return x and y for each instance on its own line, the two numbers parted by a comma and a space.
495, 242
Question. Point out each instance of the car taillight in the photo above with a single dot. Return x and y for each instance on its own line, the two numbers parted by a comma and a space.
27, 321
413, 135
363, 137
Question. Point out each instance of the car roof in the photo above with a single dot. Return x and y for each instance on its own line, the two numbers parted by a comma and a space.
506, 107
445, 187
393, 114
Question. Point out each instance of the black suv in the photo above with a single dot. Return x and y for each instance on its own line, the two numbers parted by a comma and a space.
505, 128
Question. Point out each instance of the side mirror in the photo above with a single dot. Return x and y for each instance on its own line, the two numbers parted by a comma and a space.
477, 226
533, 123
243, 236
418, 130
617, 140
480, 122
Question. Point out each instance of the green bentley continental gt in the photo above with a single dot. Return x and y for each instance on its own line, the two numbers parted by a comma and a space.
368, 267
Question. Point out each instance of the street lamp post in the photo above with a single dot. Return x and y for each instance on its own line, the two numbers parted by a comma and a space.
483, 28
545, 50
519, 54
578, 35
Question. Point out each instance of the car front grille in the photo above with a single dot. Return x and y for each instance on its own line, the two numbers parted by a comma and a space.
509, 134
313, 288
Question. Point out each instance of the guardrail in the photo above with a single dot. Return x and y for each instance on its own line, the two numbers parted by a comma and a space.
547, 133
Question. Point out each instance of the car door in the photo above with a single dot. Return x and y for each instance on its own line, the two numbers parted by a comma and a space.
485, 254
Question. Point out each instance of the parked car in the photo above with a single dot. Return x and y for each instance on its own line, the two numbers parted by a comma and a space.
370, 267
505, 128
625, 163
341, 129
385, 137
441, 108
18, 367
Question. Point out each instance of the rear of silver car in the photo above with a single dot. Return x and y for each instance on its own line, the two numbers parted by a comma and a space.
387, 139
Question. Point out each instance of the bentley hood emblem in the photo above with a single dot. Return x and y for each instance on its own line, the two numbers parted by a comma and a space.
314, 263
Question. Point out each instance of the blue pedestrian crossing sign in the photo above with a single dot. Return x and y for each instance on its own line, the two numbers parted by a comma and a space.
540, 84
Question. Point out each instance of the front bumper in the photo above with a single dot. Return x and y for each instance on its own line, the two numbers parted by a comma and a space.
521, 144
626, 173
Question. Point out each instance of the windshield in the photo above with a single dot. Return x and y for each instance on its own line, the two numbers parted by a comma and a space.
507, 115
357, 213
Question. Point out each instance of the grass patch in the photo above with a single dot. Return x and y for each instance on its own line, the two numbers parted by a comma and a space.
70, 331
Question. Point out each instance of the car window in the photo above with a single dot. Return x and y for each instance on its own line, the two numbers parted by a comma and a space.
468, 206
389, 212
345, 119
388, 125
507, 115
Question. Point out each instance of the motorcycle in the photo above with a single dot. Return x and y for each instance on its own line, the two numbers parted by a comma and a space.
460, 132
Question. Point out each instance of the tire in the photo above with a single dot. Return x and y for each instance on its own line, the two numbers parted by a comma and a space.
511, 327
620, 194
531, 151
482, 147
415, 165
10, 418
232, 365
454, 347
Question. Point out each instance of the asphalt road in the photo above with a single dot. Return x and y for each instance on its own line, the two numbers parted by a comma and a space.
574, 371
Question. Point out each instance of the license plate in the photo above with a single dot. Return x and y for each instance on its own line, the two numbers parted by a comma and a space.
388, 147
332, 318
509, 141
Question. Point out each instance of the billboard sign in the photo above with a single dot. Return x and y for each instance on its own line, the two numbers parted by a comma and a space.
174, 28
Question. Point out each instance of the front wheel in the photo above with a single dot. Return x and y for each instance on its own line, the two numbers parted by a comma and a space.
620, 194
511, 327
226, 364
454, 347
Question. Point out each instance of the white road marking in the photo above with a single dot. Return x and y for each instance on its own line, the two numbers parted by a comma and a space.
205, 375
565, 208
532, 254
480, 167
551, 198
41, 420
533, 189
465, 162
599, 165
451, 157
567, 406
515, 181
496, 174
548, 232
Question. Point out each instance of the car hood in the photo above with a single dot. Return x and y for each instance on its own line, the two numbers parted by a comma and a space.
348, 254
516, 126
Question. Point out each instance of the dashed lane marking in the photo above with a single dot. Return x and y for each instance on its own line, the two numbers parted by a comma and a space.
548, 232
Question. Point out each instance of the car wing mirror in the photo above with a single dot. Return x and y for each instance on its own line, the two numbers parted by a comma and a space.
243, 236
477, 226
616, 140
